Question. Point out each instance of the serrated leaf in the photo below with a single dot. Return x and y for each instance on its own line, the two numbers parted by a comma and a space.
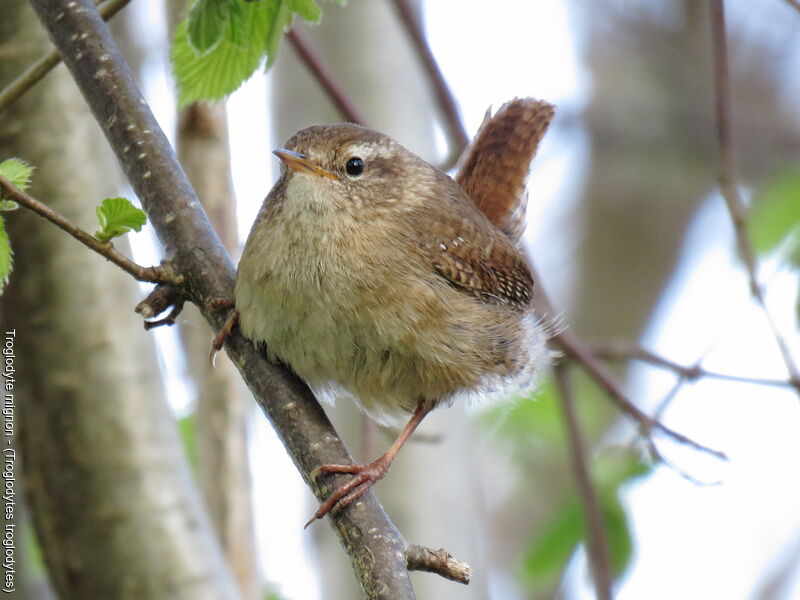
6, 205
775, 217
236, 24
6, 260
17, 172
211, 58
220, 71
117, 216
281, 21
206, 23
306, 9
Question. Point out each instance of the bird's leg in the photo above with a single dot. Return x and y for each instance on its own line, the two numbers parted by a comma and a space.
365, 475
227, 327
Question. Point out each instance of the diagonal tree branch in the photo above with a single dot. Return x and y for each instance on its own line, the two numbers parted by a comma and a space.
578, 351
324, 77
105, 249
795, 4
375, 546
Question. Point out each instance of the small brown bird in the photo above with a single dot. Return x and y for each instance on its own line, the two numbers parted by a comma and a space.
373, 274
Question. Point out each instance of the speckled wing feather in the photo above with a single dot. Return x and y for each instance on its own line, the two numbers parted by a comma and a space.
464, 248
496, 164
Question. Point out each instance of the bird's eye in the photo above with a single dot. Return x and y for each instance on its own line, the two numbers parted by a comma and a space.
354, 166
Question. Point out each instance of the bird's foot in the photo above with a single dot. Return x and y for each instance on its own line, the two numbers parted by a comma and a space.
227, 327
364, 477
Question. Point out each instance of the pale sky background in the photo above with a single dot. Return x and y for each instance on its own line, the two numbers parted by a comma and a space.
692, 542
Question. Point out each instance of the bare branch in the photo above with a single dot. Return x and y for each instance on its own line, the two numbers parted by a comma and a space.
795, 4
420, 558
596, 539
456, 132
105, 249
325, 78
727, 178
580, 353
159, 300
690, 373
46, 63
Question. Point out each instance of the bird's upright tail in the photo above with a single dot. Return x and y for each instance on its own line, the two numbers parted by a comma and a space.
494, 167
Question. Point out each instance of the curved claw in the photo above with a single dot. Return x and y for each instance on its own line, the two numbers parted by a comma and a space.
328, 469
222, 335
365, 476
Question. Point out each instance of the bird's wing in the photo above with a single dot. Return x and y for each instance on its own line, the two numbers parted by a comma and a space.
463, 247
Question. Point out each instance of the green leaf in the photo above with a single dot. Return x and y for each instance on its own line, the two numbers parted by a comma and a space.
306, 9
549, 552
17, 172
775, 217
6, 205
221, 70
281, 21
222, 42
206, 23
546, 556
5, 256
118, 216
237, 25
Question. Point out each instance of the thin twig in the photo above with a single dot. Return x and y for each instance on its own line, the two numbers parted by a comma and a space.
596, 539
655, 455
580, 353
106, 249
795, 4
690, 373
457, 133
48, 62
325, 78
420, 558
727, 177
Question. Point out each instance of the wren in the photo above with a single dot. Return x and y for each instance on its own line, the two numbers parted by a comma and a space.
374, 275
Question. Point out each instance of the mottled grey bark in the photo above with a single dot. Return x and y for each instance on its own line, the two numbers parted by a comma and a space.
116, 512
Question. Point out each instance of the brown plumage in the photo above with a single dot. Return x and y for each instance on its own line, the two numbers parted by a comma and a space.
372, 273
494, 168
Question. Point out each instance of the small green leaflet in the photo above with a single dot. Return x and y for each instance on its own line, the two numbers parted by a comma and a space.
19, 173
775, 217
118, 216
222, 42
5, 255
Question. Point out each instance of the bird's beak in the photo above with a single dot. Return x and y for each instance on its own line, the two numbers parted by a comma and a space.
299, 162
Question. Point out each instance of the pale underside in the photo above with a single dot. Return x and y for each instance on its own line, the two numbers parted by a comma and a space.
331, 298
